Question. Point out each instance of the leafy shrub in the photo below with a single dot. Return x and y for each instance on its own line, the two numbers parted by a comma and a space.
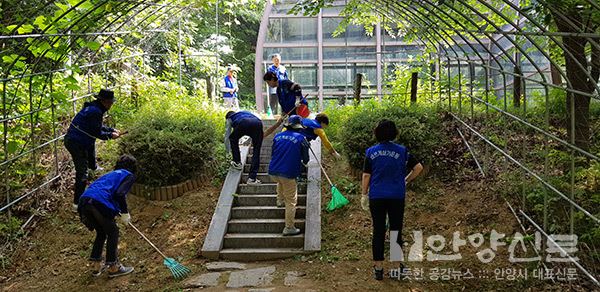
173, 140
419, 128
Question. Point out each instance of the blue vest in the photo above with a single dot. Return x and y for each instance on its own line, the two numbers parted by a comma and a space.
309, 131
241, 115
104, 189
286, 156
388, 170
287, 97
230, 83
88, 120
279, 71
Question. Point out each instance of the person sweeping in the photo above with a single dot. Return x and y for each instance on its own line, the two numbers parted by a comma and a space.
239, 124
81, 136
290, 152
314, 128
103, 200
289, 94
384, 183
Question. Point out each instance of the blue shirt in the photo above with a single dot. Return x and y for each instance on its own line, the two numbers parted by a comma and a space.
87, 126
281, 75
279, 71
110, 190
290, 149
387, 164
241, 115
287, 96
235, 120
230, 83
309, 131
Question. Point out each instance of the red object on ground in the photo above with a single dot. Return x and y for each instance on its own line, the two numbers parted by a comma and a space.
303, 111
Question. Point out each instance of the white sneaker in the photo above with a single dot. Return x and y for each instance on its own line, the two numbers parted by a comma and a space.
291, 231
236, 165
253, 181
74, 208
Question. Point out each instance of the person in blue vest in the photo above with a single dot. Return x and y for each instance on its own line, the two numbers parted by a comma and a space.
289, 154
314, 128
103, 200
387, 169
281, 73
289, 94
230, 89
237, 125
81, 137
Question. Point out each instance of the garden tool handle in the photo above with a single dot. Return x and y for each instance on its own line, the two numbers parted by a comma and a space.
321, 165
272, 129
147, 240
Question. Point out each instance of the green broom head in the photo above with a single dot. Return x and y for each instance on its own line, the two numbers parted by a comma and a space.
337, 200
178, 270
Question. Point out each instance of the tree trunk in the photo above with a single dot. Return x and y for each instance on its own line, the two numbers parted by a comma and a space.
578, 125
209, 88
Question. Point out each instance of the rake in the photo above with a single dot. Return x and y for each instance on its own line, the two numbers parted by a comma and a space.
337, 198
178, 270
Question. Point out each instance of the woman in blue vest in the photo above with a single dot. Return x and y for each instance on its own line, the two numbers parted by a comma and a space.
290, 153
387, 169
81, 137
103, 200
230, 90
289, 93
316, 128
281, 73
241, 124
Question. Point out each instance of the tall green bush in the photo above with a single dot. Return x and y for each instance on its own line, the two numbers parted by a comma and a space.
174, 140
419, 128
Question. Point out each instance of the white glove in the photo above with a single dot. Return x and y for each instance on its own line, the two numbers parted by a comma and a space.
297, 104
337, 155
125, 218
364, 202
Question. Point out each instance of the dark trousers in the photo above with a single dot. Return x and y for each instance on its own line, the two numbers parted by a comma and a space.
84, 158
394, 209
254, 129
106, 231
274, 103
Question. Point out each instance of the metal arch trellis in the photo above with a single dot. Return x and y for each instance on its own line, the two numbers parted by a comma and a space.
433, 28
140, 26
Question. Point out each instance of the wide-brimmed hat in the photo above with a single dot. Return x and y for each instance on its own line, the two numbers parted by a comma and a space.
295, 122
106, 94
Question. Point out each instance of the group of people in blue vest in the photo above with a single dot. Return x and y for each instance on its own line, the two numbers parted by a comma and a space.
100, 202
388, 168
289, 155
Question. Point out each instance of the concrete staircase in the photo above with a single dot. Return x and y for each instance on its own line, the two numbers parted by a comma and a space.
252, 229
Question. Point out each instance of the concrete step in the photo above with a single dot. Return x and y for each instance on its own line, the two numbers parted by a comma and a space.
262, 240
260, 225
266, 188
264, 158
266, 212
263, 177
258, 254
262, 168
263, 200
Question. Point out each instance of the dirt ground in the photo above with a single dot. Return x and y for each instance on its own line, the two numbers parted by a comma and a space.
53, 257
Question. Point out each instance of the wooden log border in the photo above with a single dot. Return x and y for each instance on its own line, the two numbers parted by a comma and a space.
167, 193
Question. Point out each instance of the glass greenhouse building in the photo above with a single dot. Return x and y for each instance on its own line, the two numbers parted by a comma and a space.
326, 65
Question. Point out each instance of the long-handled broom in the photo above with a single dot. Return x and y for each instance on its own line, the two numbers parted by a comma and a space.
272, 129
337, 199
178, 270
